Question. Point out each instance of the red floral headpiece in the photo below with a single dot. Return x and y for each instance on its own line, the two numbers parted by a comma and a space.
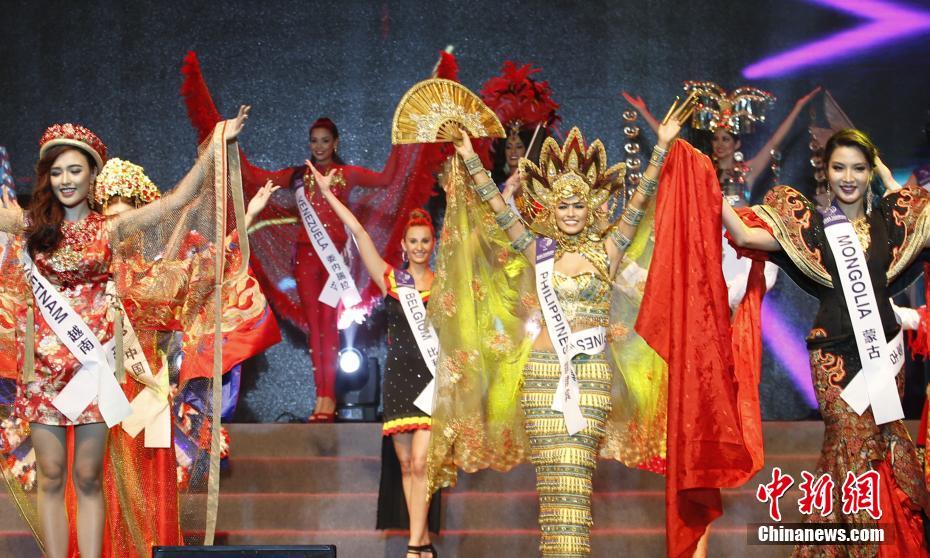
75, 136
518, 100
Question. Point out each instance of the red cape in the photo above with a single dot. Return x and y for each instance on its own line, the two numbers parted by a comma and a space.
714, 435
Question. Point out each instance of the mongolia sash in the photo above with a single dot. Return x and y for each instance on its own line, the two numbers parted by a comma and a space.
874, 385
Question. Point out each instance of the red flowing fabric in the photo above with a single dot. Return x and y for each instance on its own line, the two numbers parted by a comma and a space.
905, 525
406, 182
685, 318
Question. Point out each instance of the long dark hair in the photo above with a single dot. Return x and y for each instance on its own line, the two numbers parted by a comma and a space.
326, 124
46, 213
499, 151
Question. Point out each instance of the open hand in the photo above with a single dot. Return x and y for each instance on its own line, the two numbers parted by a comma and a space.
807, 98
512, 185
636, 102
260, 199
677, 116
235, 125
323, 181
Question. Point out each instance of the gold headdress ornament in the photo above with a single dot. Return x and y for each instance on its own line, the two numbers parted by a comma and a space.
573, 169
434, 110
737, 111
127, 180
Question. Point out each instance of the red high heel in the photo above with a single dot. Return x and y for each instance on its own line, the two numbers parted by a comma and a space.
322, 417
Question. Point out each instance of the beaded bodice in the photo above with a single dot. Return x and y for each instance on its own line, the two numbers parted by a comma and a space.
585, 299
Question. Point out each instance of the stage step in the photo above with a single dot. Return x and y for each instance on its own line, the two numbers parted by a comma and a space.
300, 484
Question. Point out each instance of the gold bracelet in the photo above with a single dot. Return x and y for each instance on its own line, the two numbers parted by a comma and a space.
506, 218
632, 215
620, 240
525, 239
474, 165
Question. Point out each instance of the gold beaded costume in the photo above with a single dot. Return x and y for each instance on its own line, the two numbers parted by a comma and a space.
485, 310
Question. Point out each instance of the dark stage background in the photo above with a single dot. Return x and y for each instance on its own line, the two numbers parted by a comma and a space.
114, 66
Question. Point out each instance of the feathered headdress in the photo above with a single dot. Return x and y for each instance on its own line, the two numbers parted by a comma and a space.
519, 100
737, 111
574, 169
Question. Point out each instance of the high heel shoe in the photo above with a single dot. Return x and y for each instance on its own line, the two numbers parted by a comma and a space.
322, 417
423, 548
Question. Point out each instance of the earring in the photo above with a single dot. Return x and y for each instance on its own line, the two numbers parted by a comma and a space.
403, 255
868, 202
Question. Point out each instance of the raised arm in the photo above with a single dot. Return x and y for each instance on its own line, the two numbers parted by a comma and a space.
745, 236
11, 215
373, 261
625, 231
365, 178
887, 178
133, 220
763, 158
520, 237
258, 202
640, 105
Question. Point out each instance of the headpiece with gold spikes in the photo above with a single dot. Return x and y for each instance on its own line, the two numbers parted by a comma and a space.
574, 169
126, 180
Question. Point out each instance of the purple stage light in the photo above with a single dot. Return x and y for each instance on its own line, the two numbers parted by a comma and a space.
787, 344
885, 22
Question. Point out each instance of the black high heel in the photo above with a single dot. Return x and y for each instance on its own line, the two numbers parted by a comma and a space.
431, 549
414, 550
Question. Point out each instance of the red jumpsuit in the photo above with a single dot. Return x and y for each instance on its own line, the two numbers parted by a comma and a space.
310, 274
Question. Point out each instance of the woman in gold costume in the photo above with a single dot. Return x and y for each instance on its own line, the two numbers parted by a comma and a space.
573, 236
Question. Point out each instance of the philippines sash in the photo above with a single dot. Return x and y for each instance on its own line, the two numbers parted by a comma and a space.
874, 385
567, 344
340, 285
423, 332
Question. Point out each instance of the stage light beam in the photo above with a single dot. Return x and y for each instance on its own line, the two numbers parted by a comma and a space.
886, 22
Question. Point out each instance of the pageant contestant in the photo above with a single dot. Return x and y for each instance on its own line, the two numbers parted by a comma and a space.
409, 369
726, 119
576, 249
70, 258
153, 468
848, 256
318, 303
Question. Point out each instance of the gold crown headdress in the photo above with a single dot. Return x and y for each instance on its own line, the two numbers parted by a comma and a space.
574, 169
737, 111
127, 180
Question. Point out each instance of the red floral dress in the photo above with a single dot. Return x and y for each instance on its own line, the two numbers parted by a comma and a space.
80, 268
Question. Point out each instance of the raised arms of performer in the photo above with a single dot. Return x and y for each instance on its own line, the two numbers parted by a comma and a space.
373, 261
140, 218
623, 233
258, 202
763, 157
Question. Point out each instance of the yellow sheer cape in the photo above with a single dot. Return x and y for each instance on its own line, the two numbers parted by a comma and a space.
483, 297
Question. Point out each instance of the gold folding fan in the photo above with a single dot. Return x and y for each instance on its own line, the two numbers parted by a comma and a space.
434, 110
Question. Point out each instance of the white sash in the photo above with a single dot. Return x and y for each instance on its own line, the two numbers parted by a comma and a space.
423, 332
94, 379
151, 412
150, 407
567, 344
874, 385
340, 285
